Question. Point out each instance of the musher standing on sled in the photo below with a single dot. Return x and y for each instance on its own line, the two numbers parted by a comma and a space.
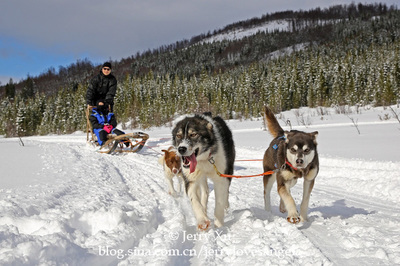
101, 93
102, 88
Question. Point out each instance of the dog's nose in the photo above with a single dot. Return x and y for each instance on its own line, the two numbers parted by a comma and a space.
299, 161
182, 150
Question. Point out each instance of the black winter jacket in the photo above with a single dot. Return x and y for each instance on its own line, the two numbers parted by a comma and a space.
101, 88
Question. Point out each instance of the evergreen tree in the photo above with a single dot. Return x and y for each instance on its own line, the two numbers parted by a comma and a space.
28, 91
10, 89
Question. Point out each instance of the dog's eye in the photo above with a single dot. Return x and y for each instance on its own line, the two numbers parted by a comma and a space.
193, 135
179, 136
307, 150
293, 150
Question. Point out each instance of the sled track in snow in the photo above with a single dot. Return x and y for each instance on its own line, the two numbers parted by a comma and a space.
121, 201
344, 224
337, 219
169, 214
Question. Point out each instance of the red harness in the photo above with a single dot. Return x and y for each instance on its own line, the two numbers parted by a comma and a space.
287, 162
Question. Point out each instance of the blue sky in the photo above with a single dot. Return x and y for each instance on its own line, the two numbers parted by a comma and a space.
40, 34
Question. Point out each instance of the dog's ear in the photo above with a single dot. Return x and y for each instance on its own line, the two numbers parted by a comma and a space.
165, 151
209, 126
314, 136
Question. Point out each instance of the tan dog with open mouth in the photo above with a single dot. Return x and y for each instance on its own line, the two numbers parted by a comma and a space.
172, 167
295, 154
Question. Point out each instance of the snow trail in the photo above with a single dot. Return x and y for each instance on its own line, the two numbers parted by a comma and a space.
63, 204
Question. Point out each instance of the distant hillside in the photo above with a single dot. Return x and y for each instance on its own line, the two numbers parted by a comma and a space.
240, 43
322, 57
249, 41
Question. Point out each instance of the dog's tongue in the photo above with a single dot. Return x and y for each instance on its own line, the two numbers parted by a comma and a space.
193, 162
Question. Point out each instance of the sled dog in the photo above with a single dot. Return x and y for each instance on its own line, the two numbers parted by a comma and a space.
295, 155
202, 140
171, 163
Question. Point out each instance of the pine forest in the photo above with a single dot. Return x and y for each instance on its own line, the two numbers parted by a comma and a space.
344, 55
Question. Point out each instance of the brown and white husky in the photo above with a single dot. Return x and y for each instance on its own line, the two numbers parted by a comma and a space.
294, 154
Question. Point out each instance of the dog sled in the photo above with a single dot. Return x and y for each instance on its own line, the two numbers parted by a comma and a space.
130, 142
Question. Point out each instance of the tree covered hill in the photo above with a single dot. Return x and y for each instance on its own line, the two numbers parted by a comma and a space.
347, 55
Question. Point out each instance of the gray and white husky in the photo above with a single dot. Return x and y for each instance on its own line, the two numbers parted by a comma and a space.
295, 154
198, 139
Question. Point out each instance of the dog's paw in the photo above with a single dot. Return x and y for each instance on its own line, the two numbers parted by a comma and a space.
294, 219
203, 226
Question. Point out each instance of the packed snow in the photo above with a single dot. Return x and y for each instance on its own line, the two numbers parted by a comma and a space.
61, 203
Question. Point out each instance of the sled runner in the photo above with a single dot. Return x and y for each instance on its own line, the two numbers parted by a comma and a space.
130, 142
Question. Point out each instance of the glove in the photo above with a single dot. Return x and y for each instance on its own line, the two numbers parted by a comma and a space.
108, 128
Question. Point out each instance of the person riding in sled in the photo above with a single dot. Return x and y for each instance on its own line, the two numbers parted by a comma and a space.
102, 87
103, 122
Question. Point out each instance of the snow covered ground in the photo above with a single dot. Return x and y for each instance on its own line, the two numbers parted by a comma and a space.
63, 204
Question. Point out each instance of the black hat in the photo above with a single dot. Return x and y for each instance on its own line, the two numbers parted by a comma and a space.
107, 64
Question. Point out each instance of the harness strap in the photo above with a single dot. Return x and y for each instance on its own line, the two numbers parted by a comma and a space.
276, 146
211, 160
287, 162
